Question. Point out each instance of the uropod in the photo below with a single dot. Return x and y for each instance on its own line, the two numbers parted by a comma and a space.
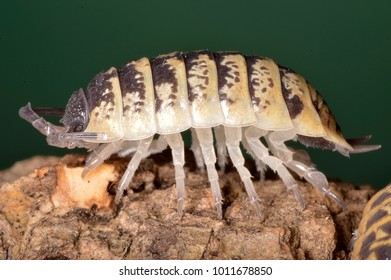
225, 99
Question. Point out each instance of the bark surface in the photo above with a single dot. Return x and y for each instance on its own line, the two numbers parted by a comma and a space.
52, 213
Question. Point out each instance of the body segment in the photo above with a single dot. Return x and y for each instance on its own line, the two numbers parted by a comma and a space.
238, 98
265, 90
138, 100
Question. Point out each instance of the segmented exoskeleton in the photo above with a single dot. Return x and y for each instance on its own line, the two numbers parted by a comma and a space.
238, 98
373, 240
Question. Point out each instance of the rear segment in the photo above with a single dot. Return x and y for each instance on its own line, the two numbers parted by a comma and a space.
333, 132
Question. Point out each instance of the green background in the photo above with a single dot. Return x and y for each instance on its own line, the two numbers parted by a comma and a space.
48, 49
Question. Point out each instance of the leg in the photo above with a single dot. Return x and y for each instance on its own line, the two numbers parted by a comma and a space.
195, 147
261, 167
205, 138
178, 156
100, 154
130, 147
220, 146
260, 151
233, 137
299, 162
142, 149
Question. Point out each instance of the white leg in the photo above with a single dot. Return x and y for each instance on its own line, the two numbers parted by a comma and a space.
220, 146
178, 157
233, 137
195, 147
205, 138
157, 146
130, 147
142, 150
261, 167
300, 163
260, 151
100, 154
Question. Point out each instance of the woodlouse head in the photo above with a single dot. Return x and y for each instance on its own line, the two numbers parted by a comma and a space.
76, 115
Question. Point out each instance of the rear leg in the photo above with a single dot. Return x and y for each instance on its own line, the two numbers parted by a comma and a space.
233, 137
262, 153
299, 162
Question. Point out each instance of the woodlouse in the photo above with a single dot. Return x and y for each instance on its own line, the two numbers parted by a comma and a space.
373, 240
226, 94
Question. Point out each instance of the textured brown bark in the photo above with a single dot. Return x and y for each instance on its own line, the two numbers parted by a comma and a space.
53, 214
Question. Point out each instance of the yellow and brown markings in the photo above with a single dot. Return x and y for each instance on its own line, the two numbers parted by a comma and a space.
234, 90
333, 131
374, 233
100, 93
105, 104
298, 100
202, 85
138, 99
171, 94
265, 91
132, 88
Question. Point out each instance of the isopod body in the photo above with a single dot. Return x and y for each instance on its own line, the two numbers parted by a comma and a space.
225, 99
374, 233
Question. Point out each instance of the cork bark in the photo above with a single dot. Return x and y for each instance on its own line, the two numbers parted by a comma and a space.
52, 213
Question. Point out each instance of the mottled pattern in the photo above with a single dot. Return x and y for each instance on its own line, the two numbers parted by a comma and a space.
265, 91
100, 94
298, 100
138, 98
374, 233
202, 86
205, 89
260, 80
292, 90
171, 93
234, 89
380, 199
132, 87
197, 73
163, 74
105, 105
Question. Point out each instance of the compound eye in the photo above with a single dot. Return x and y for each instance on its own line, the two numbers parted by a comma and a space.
78, 128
